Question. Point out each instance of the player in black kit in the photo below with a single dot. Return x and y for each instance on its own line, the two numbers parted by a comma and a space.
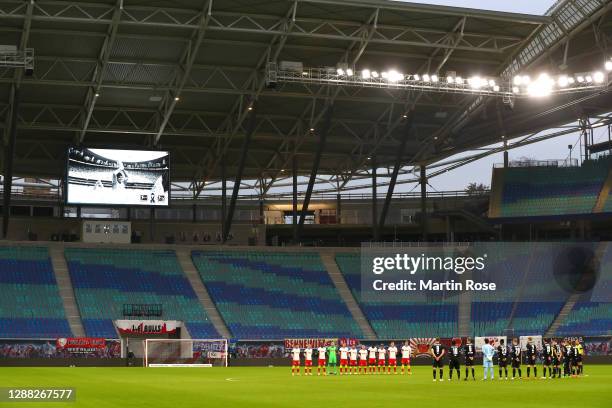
531, 354
568, 355
516, 355
502, 357
547, 356
437, 352
454, 354
469, 351
557, 359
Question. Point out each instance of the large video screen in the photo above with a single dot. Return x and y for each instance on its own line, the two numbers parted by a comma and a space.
118, 177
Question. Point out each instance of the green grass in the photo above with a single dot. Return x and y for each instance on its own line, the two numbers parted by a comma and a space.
274, 387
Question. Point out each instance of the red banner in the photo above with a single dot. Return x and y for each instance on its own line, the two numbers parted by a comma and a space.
80, 344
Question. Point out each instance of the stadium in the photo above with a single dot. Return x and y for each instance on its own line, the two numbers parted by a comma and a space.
306, 202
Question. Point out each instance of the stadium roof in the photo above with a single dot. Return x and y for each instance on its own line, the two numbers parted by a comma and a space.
181, 73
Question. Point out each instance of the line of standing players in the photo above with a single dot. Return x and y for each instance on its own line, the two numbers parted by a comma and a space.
355, 359
564, 357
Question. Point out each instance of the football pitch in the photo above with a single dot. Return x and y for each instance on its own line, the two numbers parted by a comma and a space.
275, 387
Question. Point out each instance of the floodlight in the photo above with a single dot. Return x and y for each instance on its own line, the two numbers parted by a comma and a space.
598, 77
365, 74
475, 82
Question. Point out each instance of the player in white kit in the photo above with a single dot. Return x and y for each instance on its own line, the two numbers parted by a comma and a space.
372, 359
392, 350
295, 363
381, 358
344, 359
363, 359
308, 360
321, 364
406, 353
353, 360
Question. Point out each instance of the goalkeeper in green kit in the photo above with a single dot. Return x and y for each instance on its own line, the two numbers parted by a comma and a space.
331, 360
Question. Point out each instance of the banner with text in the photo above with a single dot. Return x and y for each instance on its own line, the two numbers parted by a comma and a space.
80, 345
147, 326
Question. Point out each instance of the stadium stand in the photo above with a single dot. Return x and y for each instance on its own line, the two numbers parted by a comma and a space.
590, 316
30, 305
400, 319
588, 319
106, 279
274, 295
549, 191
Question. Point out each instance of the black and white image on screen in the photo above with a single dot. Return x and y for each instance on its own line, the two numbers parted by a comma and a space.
118, 177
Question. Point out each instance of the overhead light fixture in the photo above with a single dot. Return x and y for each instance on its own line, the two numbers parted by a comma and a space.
349, 72
366, 74
598, 77
475, 82
588, 78
459, 80
417, 77
580, 79
176, 98
450, 80
96, 95
375, 74
340, 71
608, 65
426, 78
434, 78
395, 76
563, 81
541, 87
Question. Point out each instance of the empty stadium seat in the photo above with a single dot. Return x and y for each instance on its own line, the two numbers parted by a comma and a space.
106, 279
400, 319
30, 305
271, 295
553, 191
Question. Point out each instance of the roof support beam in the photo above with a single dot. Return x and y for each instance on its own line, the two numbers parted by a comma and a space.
18, 75
323, 132
396, 169
243, 157
105, 52
187, 61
